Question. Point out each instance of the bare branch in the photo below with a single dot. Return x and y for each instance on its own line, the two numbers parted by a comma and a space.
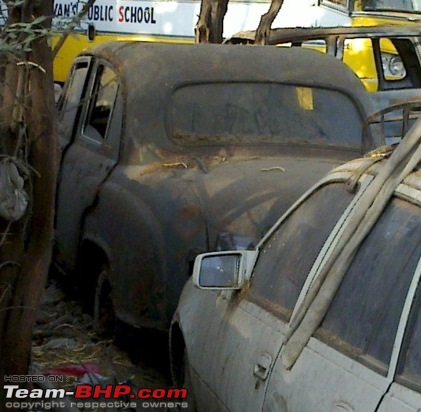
263, 30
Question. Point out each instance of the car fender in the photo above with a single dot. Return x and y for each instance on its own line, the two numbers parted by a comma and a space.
145, 263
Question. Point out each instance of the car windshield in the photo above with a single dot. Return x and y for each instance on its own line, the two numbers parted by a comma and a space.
250, 113
392, 5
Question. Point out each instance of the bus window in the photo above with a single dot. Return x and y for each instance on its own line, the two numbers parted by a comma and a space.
391, 5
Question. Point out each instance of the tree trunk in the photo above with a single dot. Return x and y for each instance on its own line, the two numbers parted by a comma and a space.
210, 26
31, 139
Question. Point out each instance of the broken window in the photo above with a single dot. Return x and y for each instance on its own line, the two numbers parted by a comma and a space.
102, 101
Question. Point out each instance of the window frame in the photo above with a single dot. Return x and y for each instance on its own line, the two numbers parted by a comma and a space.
95, 77
344, 8
82, 63
319, 91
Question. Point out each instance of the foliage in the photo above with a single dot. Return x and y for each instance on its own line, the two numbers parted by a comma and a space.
20, 36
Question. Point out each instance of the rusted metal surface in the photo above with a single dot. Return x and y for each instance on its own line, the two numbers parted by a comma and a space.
147, 202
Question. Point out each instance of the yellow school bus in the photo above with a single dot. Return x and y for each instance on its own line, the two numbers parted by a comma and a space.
174, 21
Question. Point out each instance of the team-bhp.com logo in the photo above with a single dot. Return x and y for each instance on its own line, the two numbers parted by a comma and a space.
95, 396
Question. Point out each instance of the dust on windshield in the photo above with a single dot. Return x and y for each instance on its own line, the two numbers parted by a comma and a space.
250, 113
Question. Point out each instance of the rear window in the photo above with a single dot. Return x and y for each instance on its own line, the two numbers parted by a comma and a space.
250, 113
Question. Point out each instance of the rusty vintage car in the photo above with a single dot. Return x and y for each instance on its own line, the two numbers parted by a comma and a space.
172, 150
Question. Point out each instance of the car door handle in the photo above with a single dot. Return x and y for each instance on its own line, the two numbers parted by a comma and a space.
262, 366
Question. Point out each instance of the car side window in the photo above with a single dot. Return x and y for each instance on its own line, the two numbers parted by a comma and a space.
103, 97
288, 256
363, 318
72, 99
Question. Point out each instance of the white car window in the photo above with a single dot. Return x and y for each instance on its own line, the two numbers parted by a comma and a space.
287, 257
363, 318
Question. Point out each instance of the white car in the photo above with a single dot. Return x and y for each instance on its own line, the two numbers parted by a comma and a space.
324, 314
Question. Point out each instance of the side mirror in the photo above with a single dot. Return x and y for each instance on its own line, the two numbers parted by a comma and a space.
91, 32
224, 270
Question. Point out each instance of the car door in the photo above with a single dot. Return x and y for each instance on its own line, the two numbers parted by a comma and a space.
349, 363
247, 328
92, 152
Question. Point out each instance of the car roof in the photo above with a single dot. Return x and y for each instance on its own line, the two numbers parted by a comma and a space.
150, 72
147, 63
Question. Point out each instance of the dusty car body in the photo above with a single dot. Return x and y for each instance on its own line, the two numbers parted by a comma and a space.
172, 150
324, 314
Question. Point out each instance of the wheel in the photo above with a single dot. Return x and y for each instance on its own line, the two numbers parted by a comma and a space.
104, 317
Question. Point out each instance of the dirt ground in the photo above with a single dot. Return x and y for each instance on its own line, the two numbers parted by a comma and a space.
65, 344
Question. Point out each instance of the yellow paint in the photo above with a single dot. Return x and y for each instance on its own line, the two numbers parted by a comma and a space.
305, 98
